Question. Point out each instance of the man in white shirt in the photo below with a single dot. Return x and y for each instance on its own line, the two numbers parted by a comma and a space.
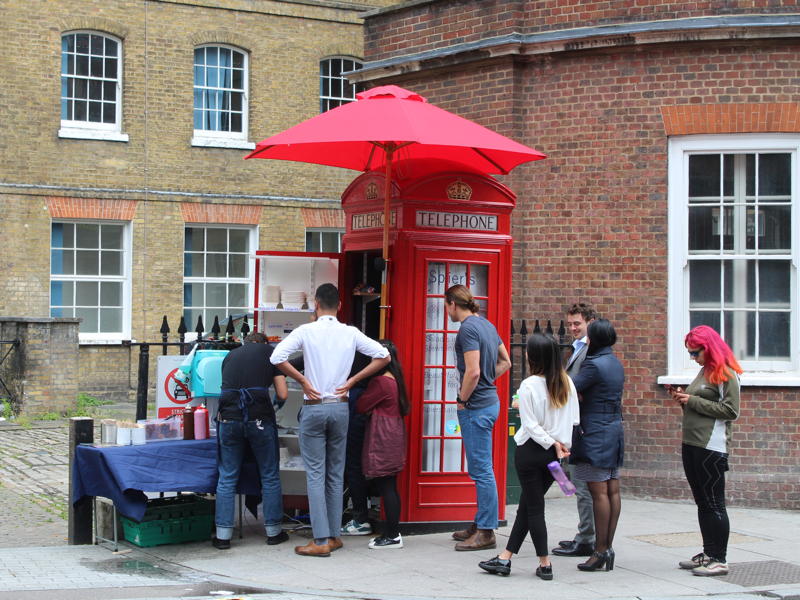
578, 318
328, 348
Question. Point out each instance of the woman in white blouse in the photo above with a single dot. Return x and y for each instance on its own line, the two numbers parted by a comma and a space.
548, 409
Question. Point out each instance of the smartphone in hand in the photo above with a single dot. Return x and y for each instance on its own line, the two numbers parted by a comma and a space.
668, 387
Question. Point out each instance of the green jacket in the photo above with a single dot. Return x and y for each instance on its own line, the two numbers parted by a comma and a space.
709, 411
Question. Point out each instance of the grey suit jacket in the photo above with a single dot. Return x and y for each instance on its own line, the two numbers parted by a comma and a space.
576, 360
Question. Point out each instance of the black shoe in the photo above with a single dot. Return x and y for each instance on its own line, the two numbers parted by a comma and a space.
575, 550
273, 540
220, 544
545, 573
598, 561
496, 566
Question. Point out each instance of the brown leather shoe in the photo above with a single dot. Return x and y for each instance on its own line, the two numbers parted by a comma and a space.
313, 549
465, 533
482, 539
335, 543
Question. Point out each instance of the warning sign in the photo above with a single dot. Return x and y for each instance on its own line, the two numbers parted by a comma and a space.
172, 394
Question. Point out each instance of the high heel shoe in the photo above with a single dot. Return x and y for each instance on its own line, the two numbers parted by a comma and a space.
610, 556
596, 562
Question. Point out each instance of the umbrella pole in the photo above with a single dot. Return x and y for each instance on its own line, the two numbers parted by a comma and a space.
387, 195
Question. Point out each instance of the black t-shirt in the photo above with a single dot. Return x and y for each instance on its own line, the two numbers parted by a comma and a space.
247, 367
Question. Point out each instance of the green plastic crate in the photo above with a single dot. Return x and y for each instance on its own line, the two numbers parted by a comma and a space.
171, 521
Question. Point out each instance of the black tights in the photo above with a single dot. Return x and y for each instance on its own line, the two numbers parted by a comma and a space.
607, 505
387, 488
705, 472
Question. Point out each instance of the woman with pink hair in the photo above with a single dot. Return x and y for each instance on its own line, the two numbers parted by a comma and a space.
710, 403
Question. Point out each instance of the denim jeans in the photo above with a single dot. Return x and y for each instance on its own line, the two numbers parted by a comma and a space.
233, 437
476, 431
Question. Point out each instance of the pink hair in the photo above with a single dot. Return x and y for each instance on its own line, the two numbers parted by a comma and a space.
718, 355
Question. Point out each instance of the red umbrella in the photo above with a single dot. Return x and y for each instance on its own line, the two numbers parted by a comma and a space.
386, 125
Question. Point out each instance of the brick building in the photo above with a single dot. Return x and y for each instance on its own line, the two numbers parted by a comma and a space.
670, 196
123, 192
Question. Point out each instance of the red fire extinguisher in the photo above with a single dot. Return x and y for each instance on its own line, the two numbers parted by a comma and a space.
201, 422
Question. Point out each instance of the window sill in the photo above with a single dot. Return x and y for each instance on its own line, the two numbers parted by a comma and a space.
212, 142
75, 133
787, 379
100, 341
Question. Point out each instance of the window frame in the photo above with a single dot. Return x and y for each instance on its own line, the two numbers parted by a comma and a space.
679, 368
225, 139
125, 279
249, 279
326, 100
321, 230
70, 128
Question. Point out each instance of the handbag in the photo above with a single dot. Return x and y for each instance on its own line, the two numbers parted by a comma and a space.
384, 451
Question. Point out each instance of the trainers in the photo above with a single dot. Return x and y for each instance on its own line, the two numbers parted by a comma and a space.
353, 527
711, 568
698, 560
385, 543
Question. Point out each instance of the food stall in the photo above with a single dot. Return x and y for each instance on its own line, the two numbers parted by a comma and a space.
445, 228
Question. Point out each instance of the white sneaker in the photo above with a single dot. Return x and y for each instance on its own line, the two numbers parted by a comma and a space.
698, 560
711, 568
385, 543
353, 527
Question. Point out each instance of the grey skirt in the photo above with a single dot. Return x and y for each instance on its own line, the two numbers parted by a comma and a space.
586, 472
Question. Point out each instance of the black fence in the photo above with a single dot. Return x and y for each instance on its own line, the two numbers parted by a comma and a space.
519, 341
213, 342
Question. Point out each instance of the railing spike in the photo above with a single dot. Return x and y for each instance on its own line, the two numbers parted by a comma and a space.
199, 329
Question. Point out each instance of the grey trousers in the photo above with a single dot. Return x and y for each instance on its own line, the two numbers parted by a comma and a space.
585, 533
323, 445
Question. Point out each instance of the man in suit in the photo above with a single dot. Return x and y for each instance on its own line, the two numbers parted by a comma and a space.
578, 318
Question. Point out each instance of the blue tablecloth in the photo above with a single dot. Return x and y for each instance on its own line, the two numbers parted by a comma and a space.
124, 473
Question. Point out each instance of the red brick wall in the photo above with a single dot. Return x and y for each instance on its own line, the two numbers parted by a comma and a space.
591, 220
447, 22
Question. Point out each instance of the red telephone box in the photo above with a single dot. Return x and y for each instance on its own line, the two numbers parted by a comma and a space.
445, 228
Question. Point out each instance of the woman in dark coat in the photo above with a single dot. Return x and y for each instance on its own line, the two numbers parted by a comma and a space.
597, 447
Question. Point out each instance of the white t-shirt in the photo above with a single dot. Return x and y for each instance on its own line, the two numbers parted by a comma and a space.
541, 422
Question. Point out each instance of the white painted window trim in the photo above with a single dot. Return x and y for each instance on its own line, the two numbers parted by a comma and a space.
680, 370
127, 265
88, 130
340, 231
358, 64
205, 138
253, 238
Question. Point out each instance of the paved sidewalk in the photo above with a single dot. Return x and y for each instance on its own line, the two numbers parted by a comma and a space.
652, 537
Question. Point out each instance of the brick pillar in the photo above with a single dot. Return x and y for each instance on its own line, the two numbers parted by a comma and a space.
43, 371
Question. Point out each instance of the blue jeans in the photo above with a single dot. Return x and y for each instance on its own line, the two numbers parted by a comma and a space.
262, 436
476, 431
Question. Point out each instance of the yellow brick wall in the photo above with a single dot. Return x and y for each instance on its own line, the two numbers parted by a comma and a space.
158, 168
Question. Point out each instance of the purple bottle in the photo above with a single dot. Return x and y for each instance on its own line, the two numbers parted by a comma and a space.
561, 478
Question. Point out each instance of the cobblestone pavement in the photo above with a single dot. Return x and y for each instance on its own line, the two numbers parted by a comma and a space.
34, 470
